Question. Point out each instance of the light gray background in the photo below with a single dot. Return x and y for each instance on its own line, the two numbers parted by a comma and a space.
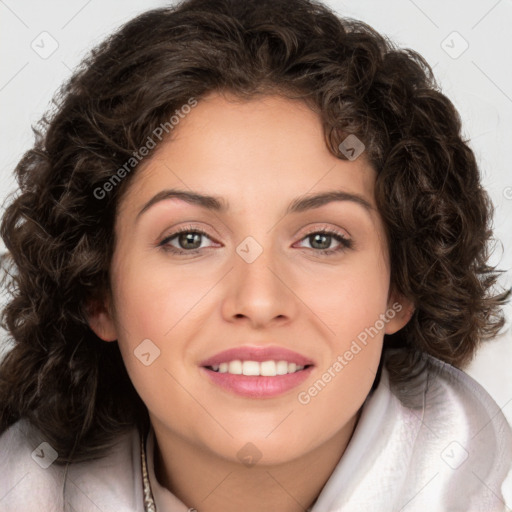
478, 81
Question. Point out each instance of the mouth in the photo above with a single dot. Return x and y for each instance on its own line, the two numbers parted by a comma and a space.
257, 372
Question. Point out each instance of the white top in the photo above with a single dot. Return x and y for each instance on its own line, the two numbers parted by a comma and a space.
440, 444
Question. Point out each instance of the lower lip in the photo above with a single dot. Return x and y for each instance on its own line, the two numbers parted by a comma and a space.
258, 386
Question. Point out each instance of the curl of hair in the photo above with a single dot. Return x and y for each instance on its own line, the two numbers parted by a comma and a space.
60, 236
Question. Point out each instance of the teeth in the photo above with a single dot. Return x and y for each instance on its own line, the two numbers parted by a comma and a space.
282, 367
265, 368
250, 368
235, 367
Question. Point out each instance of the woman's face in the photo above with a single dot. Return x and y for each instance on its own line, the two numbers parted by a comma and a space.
259, 277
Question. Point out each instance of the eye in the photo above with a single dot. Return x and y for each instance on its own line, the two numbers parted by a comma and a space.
187, 238
320, 241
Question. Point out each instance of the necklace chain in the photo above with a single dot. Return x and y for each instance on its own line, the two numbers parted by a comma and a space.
149, 501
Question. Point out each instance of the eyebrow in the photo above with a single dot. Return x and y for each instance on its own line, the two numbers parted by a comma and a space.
219, 204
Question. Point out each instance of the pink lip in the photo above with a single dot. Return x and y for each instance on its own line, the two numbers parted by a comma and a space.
258, 354
257, 386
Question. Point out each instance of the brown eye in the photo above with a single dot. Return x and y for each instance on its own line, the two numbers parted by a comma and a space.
189, 240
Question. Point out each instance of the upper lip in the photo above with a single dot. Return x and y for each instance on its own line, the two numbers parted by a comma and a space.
259, 354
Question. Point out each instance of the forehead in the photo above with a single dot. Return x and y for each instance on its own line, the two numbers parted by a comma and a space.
269, 149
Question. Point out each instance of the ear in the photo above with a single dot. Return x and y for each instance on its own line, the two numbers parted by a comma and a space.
399, 312
101, 319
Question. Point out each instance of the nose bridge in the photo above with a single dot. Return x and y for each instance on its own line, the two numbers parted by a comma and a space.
254, 265
257, 289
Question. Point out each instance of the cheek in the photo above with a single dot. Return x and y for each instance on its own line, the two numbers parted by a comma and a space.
352, 310
137, 302
150, 299
155, 309
351, 304
350, 299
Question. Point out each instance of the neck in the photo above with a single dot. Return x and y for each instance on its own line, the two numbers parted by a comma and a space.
208, 483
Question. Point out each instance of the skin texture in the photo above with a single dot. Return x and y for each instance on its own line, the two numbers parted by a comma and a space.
259, 155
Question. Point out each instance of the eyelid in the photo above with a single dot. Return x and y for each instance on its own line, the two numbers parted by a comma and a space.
190, 226
185, 229
325, 227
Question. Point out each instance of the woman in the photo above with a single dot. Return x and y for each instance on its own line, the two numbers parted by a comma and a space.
248, 255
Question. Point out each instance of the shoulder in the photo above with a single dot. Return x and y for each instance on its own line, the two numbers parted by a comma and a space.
462, 442
28, 476
33, 481
458, 404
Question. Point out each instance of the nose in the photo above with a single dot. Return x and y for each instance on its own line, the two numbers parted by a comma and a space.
259, 292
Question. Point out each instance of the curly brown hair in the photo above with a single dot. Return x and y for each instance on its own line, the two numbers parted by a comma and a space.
60, 236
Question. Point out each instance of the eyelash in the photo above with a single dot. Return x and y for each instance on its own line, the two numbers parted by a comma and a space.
345, 243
